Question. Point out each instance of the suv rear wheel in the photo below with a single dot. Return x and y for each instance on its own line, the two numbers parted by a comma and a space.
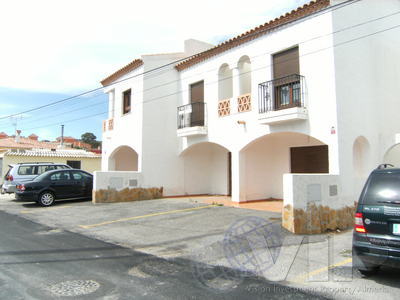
46, 199
369, 272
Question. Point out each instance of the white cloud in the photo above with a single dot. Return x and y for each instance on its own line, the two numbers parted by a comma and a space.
68, 45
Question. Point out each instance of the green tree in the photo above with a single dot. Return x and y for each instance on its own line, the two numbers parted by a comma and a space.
90, 139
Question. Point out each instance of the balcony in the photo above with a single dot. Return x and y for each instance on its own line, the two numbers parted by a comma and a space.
191, 119
282, 100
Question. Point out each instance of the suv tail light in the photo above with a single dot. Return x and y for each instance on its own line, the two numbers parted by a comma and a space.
359, 223
9, 178
21, 187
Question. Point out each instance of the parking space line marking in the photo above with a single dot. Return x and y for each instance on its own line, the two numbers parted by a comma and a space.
302, 278
42, 209
147, 216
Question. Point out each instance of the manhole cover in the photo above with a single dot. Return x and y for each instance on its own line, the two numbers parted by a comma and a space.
74, 288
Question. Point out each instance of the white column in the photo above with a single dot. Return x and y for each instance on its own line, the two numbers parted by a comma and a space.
111, 104
238, 177
235, 89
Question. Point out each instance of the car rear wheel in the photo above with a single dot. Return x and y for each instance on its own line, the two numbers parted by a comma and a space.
46, 199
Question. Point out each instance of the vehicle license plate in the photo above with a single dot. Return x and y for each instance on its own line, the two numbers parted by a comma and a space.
396, 229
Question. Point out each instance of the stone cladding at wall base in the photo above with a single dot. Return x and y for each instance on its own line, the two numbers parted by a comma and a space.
127, 195
317, 219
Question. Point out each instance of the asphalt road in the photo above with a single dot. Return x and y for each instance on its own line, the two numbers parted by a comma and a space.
40, 262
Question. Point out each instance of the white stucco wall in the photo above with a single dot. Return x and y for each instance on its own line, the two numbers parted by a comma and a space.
302, 190
150, 127
205, 169
317, 68
367, 76
127, 127
117, 180
350, 91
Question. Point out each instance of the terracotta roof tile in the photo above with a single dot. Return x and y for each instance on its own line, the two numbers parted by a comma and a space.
129, 67
25, 143
294, 15
56, 153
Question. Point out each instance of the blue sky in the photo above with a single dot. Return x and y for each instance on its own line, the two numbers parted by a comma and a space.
57, 49
79, 115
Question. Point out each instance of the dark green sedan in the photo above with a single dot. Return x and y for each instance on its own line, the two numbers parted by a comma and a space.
56, 185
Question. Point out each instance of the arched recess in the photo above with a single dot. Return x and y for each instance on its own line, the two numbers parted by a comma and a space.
207, 169
225, 82
264, 161
124, 158
361, 154
392, 156
244, 68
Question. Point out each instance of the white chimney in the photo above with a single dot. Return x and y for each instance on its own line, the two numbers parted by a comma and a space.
17, 136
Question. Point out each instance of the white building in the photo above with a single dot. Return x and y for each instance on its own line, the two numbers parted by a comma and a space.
301, 108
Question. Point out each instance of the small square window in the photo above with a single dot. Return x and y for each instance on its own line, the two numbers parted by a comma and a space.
126, 102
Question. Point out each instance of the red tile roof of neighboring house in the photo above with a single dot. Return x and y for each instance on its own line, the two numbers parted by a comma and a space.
294, 15
25, 143
129, 67
66, 139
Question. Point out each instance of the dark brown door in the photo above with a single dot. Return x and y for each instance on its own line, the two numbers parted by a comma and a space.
197, 101
313, 159
286, 69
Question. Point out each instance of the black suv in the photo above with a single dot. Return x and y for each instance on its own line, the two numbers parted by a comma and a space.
376, 236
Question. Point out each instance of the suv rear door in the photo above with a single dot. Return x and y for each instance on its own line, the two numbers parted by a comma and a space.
380, 206
25, 173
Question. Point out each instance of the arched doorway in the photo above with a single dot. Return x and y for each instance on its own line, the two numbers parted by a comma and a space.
392, 156
266, 159
124, 158
207, 169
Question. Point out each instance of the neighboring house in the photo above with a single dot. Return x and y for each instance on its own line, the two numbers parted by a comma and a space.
301, 108
78, 159
20, 142
74, 143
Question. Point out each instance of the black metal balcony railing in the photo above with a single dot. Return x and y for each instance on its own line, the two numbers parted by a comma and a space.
191, 115
281, 93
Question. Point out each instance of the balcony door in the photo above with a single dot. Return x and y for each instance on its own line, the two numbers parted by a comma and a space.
197, 104
286, 78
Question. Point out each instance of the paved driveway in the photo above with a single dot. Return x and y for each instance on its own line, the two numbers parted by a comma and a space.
190, 230
165, 227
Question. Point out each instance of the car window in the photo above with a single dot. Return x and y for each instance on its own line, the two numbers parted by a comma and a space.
60, 176
8, 172
61, 167
41, 177
42, 169
77, 176
27, 170
382, 187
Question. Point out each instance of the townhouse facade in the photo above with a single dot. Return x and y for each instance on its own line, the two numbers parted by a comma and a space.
300, 108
